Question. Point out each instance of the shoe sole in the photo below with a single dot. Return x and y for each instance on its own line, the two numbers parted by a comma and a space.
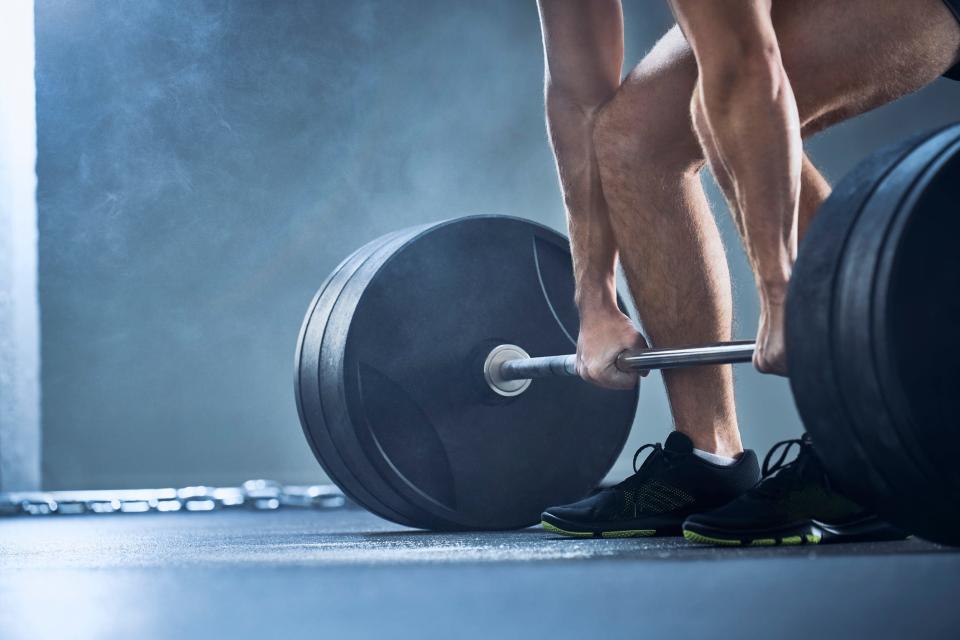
870, 529
699, 538
610, 533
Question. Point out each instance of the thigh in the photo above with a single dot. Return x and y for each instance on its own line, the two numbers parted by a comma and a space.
845, 57
583, 47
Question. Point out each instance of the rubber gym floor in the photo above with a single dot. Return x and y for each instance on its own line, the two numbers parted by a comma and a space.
348, 574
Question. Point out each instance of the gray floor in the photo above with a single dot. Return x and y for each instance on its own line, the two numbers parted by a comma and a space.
345, 574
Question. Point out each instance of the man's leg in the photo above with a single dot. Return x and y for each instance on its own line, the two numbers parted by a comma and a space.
669, 244
814, 189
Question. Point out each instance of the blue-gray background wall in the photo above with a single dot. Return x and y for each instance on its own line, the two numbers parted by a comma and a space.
204, 164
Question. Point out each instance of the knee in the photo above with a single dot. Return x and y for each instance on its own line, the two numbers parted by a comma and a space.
580, 100
639, 134
744, 68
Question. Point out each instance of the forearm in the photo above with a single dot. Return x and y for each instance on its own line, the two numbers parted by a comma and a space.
753, 143
753, 120
591, 236
594, 260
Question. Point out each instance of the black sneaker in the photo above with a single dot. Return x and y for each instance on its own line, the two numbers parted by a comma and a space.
793, 504
671, 484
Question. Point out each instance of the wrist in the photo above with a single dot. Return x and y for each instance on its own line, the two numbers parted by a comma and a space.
595, 307
596, 293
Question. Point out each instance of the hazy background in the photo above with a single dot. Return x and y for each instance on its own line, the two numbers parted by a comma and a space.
204, 164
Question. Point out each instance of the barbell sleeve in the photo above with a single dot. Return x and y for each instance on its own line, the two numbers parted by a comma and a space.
566, 365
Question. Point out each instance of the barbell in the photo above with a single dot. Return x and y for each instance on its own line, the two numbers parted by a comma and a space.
418, 361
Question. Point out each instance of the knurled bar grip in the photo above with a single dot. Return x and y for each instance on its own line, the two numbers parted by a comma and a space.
548, 366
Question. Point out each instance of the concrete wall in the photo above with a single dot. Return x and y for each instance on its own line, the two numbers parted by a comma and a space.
19, 322
203, 166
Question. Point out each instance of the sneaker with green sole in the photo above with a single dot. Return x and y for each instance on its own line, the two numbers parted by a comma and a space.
671, 484
794, 503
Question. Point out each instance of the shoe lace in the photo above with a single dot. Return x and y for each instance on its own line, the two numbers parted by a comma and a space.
783, 447
655, 460
777, 474
657, 453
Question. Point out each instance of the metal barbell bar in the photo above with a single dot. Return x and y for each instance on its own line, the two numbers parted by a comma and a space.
508, 369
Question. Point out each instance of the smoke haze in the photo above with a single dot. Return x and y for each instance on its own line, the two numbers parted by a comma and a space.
204, 165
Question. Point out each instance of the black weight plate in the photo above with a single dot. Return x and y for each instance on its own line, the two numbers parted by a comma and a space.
402, 377
857, 414
916, 318
332, 386
922, 499
917, 311
307, 382
922, 316
809, 331
926, 503
917, 191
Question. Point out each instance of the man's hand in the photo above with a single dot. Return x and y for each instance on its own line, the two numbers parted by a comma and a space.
771, 353
603, 336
